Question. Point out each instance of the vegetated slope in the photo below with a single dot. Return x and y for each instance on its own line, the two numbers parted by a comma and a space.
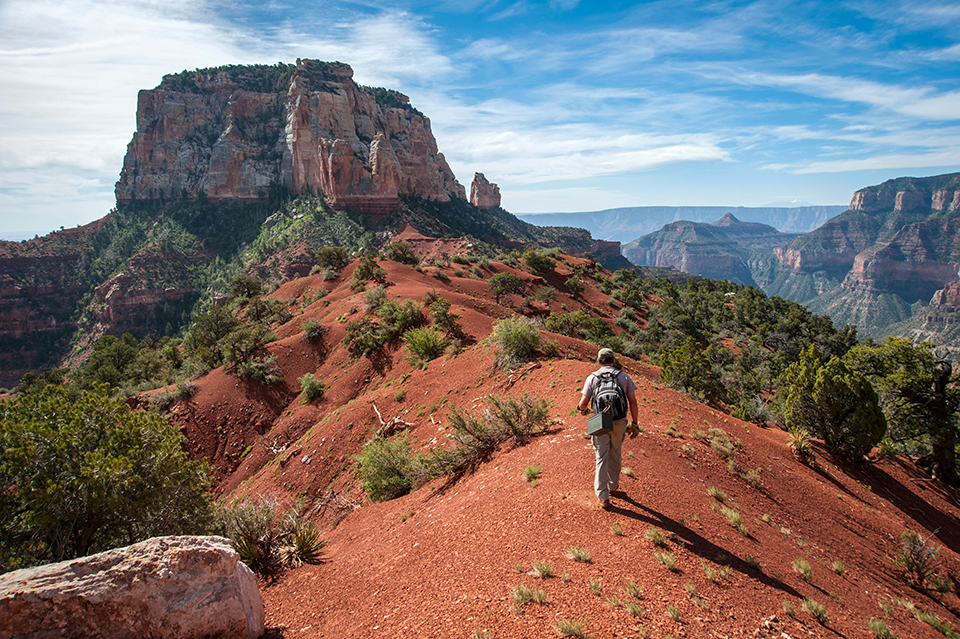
445, 560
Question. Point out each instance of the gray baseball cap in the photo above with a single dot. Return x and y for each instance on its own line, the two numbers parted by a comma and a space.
605, 355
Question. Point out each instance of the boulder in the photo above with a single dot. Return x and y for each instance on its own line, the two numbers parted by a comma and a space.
164, 587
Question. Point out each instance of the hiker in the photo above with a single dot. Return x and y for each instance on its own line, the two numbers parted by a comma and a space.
608, 445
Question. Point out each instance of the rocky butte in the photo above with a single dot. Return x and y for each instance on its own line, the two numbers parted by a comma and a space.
234, 134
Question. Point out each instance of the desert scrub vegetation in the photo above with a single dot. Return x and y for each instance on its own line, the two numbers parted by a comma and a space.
541, 570
880, 629
570, 628
919, 562
516, 340
388, 468
818, 611
657, 537
576, 553
523, 594
311, 330
802, 567
267, 540
425, 344
84, 473
532, 474
311, 388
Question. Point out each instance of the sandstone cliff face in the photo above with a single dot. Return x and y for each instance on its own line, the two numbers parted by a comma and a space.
901, 221
235, 134
484, 194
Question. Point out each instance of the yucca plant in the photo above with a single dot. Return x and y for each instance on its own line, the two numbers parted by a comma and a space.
799, 442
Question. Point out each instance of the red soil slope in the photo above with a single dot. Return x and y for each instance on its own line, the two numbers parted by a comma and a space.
443, 562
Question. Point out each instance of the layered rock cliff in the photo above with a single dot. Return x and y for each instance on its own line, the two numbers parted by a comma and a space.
719, 250
881, 262
235, 133
899, 237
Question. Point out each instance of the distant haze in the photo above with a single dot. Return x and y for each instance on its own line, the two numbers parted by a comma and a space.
627, 224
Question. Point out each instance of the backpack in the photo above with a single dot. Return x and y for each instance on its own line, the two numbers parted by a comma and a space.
608, 396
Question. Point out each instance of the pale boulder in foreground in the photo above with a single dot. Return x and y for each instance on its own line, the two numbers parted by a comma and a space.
163, 587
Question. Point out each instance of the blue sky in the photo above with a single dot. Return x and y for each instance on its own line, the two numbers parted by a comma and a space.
567, 105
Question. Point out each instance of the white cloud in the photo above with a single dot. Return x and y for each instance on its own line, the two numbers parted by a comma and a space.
949, 158
921, 102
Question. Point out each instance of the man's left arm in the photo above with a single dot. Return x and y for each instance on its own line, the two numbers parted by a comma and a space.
632, 403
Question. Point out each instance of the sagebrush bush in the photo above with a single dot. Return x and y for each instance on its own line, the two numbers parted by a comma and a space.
312, 329
425, 344
919, 561
387, 468
262, 369
311, 388
516, 339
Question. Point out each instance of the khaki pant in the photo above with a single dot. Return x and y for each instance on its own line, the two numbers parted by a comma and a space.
609, 448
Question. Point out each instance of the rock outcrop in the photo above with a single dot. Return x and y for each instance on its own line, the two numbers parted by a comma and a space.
176, 587
484, 194
900, 237
719, 250
236, 133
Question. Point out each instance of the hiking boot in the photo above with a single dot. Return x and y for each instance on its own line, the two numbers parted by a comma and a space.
605, 504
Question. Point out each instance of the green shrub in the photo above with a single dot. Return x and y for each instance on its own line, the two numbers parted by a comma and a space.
398, 318
83, 473
504, 284
401, 252
364, 337
245, 286
688, 370
918, 560
333, 257
368, 270
425, 344
311, 388
387, 469
538, 261
476, 438
375, 297
262, 369
312, 329
444, 319
834, 401
516, 340
269, 541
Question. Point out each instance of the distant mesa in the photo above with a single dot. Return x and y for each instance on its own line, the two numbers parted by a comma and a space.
484, 194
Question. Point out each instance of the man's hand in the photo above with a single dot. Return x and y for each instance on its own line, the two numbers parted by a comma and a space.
634, 429
584, 411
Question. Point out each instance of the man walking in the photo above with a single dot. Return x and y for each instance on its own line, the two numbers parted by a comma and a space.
608, 445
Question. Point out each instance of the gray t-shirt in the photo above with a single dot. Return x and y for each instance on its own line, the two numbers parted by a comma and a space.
622, 378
